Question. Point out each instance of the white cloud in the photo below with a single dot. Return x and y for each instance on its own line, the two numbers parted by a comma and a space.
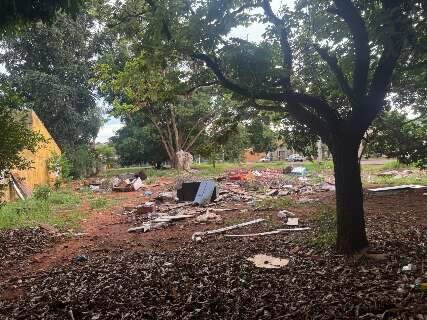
108, 130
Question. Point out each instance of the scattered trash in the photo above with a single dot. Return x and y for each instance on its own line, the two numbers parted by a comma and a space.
401, 187
147, 193
197, 235
292, 222
166, 197
283, 214
208, 216
81, 258
128, 184
265, 233
147, 227
189, 190
205, 193
299, 171
409, 267
268, 262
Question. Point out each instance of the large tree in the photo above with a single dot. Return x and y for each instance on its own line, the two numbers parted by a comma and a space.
50, 65
327, 64
15, 137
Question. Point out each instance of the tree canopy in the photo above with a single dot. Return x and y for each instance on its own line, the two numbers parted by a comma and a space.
327, 65
50, 66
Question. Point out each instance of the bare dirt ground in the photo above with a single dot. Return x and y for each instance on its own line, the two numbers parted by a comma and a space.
163, 274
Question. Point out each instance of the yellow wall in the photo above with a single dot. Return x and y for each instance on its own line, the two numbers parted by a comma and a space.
39, 173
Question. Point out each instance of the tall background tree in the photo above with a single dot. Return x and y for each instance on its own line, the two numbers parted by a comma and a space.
328, 65
50, 65
15, 15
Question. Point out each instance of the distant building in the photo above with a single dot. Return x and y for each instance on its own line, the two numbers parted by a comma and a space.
251, 156
21, 183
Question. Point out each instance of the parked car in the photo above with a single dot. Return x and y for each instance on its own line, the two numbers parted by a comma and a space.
295, 158
265, 159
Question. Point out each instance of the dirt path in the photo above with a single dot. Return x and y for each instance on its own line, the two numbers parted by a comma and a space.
101, 229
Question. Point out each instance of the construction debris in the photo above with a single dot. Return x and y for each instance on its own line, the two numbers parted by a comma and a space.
197, 236
127, 184
401, 187
292, 222
208, 216
190, 190
265, 233
205, 193
268, 262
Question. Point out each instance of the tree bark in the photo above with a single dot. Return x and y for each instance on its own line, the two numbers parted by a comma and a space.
351, 233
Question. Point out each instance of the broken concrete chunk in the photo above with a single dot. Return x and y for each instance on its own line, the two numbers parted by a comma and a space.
166, 197
268, 262
283, 214
208, 216
292, 222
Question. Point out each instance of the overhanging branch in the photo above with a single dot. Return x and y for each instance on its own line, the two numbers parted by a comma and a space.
351, 15
333, 65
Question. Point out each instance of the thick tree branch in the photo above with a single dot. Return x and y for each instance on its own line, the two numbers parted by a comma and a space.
316, 103
207, 84
284, 43
351, 15
302, 115
333, 65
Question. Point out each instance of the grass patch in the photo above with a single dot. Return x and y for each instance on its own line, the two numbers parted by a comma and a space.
317, 166
273, 203
32, 212
326, 222
64, 199
99, 204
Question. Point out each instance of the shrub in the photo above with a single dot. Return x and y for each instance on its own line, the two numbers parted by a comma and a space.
42, 192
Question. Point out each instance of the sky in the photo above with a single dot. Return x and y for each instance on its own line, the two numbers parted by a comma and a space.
251, 33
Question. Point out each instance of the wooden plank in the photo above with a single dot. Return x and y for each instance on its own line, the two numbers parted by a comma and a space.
197, 235
265, 233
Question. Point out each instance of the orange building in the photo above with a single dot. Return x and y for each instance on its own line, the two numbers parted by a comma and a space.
21, 183
251, 156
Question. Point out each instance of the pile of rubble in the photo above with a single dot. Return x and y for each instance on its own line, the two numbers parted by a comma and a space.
120, 183
201, 201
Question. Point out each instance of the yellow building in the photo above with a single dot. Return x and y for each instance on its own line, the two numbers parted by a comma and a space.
21, 183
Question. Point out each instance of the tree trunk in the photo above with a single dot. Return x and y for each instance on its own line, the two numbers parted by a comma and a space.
351, 233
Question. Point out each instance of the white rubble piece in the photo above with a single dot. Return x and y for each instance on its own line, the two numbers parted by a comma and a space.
265, 233
292, 222
147, 226
197, 235
173, 218
283, 214
268, 262
184, 160
409, 267
208, 216
401, 187
137, 184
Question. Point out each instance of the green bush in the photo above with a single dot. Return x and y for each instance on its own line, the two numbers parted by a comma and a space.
42, 192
